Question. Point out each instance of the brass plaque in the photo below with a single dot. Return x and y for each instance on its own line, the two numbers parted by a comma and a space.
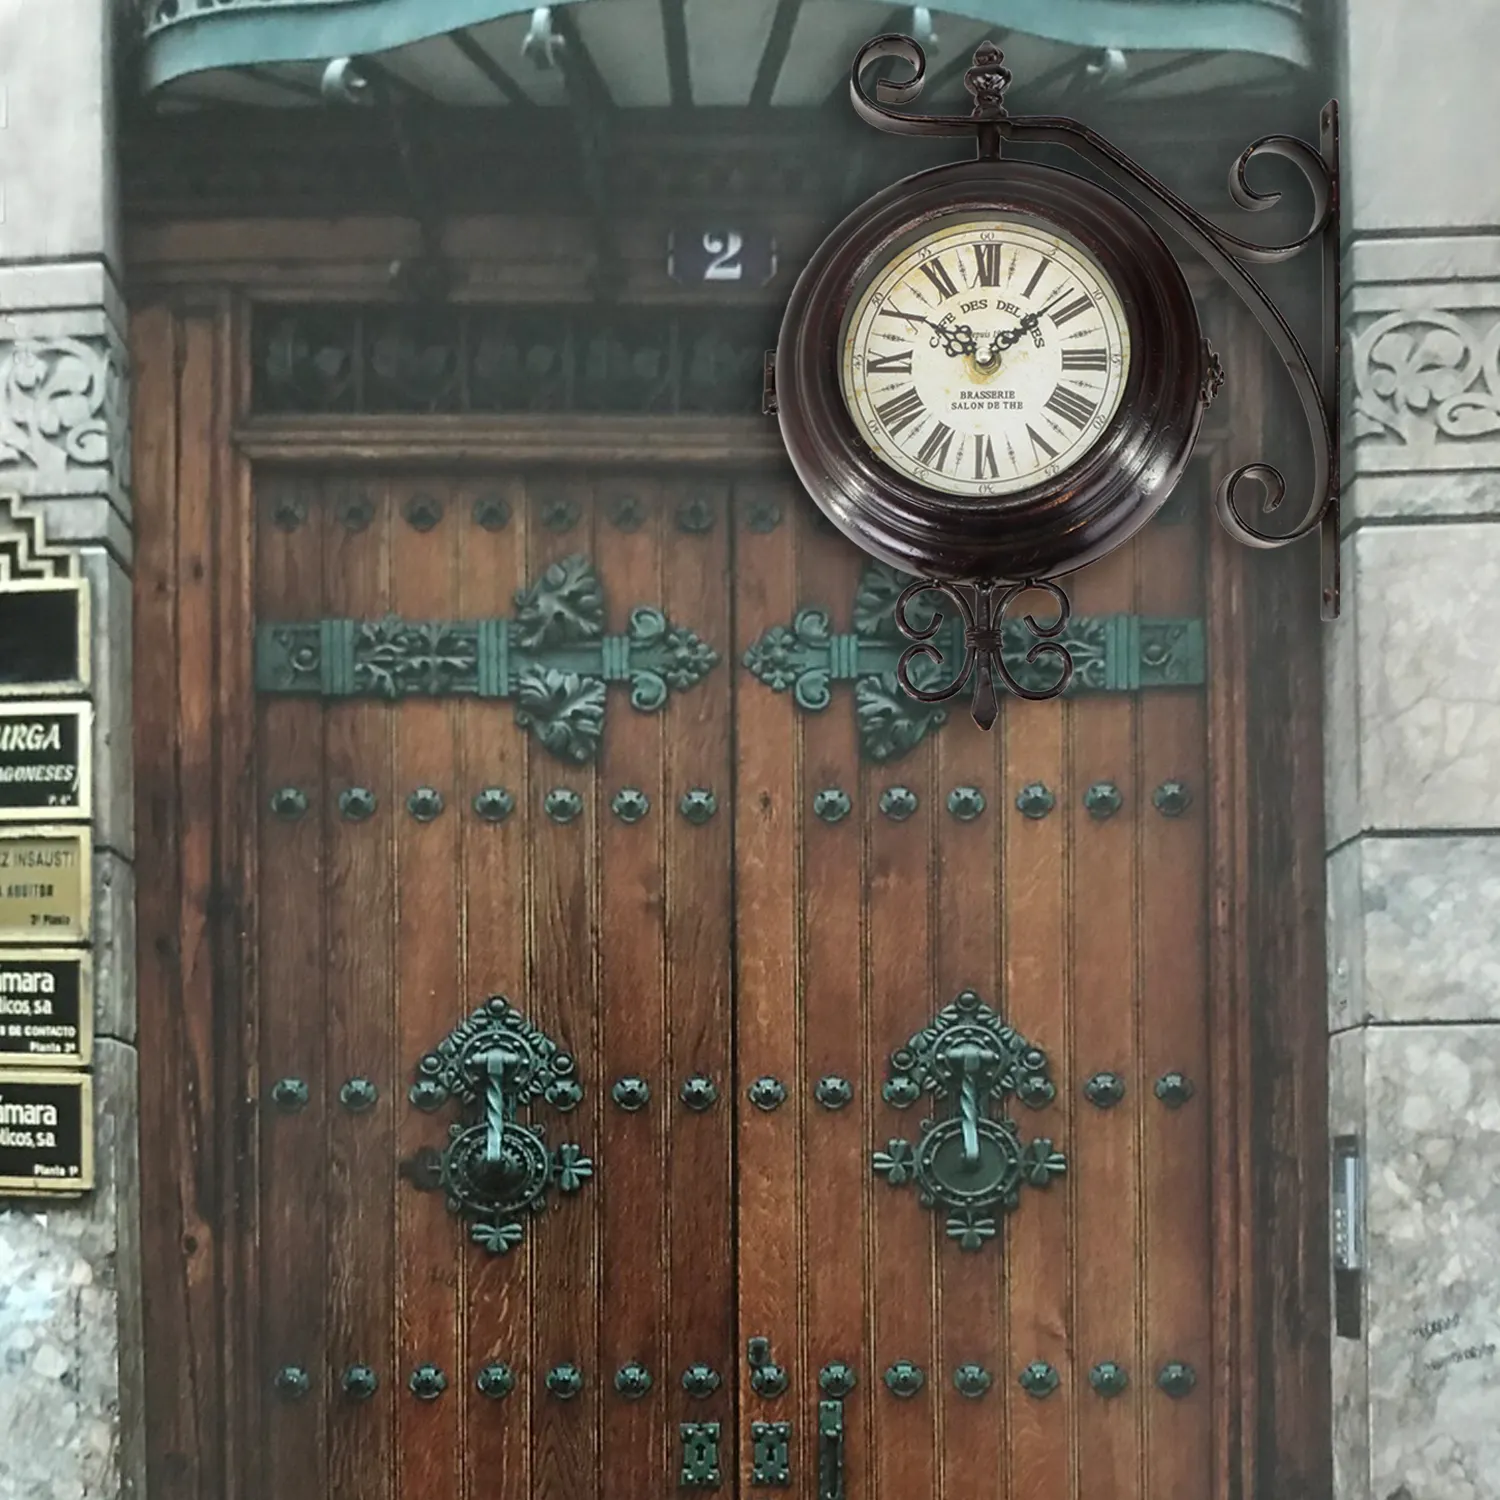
44, 636
46, 1133
46, 880
46, 1007
45, 760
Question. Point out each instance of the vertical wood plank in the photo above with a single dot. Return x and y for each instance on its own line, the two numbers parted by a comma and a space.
1038, 1002
767, 901
360, 898
834, 1145
293, 1178
1176, 1245
700, 1178
430, 999
1103, 1181
633, 1308
493, 754
562, 998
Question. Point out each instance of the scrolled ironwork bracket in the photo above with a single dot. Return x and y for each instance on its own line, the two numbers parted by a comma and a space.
1228, 254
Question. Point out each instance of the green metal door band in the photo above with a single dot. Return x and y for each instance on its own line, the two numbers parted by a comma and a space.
1111, 653
551, 657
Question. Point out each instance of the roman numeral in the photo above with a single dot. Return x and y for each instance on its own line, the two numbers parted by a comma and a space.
987, 263
934, 452
1069, 404
1038, 441
937, 273
984, 459
1037, 275
1069, 310
901, 411
1085, 359
893, 364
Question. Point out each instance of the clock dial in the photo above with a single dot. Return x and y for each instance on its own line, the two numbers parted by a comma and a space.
985, 358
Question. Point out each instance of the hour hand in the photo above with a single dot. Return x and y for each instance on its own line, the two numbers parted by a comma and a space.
955, 338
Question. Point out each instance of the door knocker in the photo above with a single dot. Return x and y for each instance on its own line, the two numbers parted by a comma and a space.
969, 1163
495, 1170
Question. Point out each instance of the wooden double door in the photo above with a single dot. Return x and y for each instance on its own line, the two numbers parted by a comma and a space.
673, 1060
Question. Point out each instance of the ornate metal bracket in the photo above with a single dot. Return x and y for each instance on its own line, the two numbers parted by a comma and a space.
1228, 254
1109, 653
496, 1170
551, 657
969, 1163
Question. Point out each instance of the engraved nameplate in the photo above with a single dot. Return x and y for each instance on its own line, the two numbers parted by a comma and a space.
44, 636
46, 1133
46, 1007
45, 884
44, 760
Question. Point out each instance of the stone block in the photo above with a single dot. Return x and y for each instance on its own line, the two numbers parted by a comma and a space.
114, 947
1414, 930
1350, 1372
1413, 708
110, 669
70, 1318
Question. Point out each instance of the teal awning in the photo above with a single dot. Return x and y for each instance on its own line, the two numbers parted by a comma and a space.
709, 52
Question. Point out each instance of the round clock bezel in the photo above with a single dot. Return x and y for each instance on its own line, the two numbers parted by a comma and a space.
1068, 519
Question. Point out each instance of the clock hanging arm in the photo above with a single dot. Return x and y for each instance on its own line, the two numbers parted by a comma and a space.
1317, 393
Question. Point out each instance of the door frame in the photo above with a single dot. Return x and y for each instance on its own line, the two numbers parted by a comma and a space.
192, 290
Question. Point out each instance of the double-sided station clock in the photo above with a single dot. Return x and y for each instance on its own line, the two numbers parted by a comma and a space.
993, 373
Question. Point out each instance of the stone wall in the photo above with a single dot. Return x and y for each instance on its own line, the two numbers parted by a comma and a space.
1413, 733
70, 1378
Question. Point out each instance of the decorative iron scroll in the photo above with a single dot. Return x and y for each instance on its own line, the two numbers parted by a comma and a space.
551, 657
452, 360
495, 1170
1111, 653
969, 1163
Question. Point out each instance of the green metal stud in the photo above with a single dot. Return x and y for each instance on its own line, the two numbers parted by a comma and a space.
1034, 800
425, 803
1103, 800
836, 1380
492, 512
831, 805
357, 803
289, 1095
1039, 1379
494, 804
1177, 1379
767, 1093
904, 1379
356, 513
901, 1092
289, 803
966, 803
289, 514
767, 1378
631, 1094
1108, 1378
564, 1381
627, 513
562, 804
495, 1381
898, 803
695, 516
427, 1382
971, 1380
632, 1381
699, 1093
427, 1094
292, 1382
698, 805
360, 1382
763, 516
1171, 799
560, 514
422, 512
833, 1092
700, 1380
358, 1095
1173, 1090
1104, 1090
630, 804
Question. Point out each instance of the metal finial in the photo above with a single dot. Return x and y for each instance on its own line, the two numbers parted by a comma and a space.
987, 82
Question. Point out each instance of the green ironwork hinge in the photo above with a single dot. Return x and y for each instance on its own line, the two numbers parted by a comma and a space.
1111, 654
551, 657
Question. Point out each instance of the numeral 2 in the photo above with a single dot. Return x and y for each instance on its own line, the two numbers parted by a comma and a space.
1070, 310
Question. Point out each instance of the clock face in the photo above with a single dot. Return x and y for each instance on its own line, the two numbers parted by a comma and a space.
986, 357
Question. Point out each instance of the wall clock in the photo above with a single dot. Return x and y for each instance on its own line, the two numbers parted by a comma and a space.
992, 373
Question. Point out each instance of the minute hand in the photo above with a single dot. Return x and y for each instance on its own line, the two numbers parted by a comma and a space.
1014, 335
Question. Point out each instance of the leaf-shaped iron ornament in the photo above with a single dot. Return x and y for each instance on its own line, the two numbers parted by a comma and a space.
495, 1170
552, 658
969, 1163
